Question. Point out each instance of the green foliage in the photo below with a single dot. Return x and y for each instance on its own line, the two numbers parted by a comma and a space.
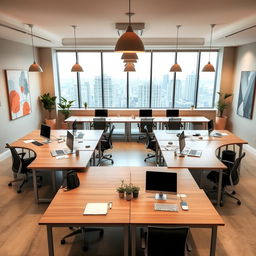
222, 104
65, 106
121, 188
129, 188
48, 102
85, 105
135, 189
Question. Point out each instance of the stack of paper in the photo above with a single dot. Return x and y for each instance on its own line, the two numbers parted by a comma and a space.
96, 209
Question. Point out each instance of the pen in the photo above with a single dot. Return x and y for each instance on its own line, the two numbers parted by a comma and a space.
110, 205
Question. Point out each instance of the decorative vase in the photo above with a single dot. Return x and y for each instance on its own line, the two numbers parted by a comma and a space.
128, 196
221, 122
121, 194
51, 123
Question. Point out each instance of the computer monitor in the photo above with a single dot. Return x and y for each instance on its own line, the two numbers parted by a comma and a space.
70, 141
161, 182
46, 132
210, 127
101, 112
172, 112
145, 112
182, 142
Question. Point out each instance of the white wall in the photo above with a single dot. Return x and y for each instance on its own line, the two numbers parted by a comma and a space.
243, 127
17, 56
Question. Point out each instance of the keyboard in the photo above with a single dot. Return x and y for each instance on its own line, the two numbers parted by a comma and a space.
166, 207
37, 143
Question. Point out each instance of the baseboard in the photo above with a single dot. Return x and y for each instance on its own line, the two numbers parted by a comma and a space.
5, 155
250, 148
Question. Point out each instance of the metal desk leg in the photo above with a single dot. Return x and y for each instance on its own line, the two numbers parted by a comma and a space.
126, 240
35, 185
54, 189
219, 187
93, 158
213, 241
50, 240
133, 239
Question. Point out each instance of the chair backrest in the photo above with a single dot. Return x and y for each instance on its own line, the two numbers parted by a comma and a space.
107, 144
16, 160
146, 123
150, 142
166, 241
174, 124
234, 171
100, 123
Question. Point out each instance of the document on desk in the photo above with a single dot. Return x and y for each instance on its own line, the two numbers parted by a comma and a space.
96, 209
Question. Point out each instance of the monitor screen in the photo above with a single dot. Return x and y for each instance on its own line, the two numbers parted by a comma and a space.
161, 182
182, 142
70, 141
145, 112
45, 131
101, 112
210, 126
172, 112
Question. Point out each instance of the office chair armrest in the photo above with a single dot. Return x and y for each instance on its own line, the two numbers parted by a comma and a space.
228, 162
22, 155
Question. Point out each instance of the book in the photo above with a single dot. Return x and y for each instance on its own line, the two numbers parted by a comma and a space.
96, 209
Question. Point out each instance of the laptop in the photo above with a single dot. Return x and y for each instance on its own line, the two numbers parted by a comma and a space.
211, 129
188, 152
66, 151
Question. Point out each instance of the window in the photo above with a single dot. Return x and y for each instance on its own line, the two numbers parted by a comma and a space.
162, 79
67, 79
105, 84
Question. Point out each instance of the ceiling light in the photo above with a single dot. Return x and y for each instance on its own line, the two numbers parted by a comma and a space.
209, 67
129, 41
129, 55
176, 67
129, 67
130, 61
33, 67
76, 67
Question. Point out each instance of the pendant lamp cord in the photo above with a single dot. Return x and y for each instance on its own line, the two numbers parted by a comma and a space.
74, 27
31, 26
212, 26
177, 41
130, 12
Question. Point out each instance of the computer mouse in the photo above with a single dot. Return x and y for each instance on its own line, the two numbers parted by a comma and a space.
170, 143
196, 134
200, 137
87, 146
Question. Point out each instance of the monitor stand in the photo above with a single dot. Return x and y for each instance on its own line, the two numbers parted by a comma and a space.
160, 196
47, 141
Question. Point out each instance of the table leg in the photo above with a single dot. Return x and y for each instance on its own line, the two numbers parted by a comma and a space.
54, 189
133, 239
126, 240
94, 158
50, 240
213, 241
35, 185
219, 187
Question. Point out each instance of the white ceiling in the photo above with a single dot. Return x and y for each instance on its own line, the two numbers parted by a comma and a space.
96, 21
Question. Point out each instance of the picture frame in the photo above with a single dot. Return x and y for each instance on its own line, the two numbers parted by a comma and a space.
18, 93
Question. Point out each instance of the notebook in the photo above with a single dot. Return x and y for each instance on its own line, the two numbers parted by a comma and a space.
96, 209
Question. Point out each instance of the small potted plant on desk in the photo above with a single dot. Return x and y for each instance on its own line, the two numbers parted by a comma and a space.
85, 105
121, 189
135, 191
49, 104
222, 104
128, 191
64, 107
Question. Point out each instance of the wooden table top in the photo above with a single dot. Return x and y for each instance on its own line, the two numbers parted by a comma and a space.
131, 119
201, 210
44, 159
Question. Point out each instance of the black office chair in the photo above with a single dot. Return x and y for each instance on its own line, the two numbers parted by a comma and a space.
230, 178
165, 241
150, 144
105, 145
173, 124
100, 123
145, 123
19, 165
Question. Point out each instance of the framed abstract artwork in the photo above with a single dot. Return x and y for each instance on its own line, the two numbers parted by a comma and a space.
18, 93
246, 94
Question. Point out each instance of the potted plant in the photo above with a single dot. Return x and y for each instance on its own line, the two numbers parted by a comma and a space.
121, 189
135, 191
222, 104
85, 105
64, 107
128, 192
49, 104
192, 107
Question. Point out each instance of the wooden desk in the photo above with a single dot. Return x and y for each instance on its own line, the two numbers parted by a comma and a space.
201, 212
97, 184
45, 161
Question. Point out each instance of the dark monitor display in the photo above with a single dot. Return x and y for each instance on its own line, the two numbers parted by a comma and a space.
45, 131
70, 141
210, 126
182, 142
101, 112
145, 112
161, 182
172, 112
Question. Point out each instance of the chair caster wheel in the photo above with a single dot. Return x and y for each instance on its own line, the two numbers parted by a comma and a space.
62, 241
239, 202
233, 192
10, 184
101, 233
19, 191
85, 248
